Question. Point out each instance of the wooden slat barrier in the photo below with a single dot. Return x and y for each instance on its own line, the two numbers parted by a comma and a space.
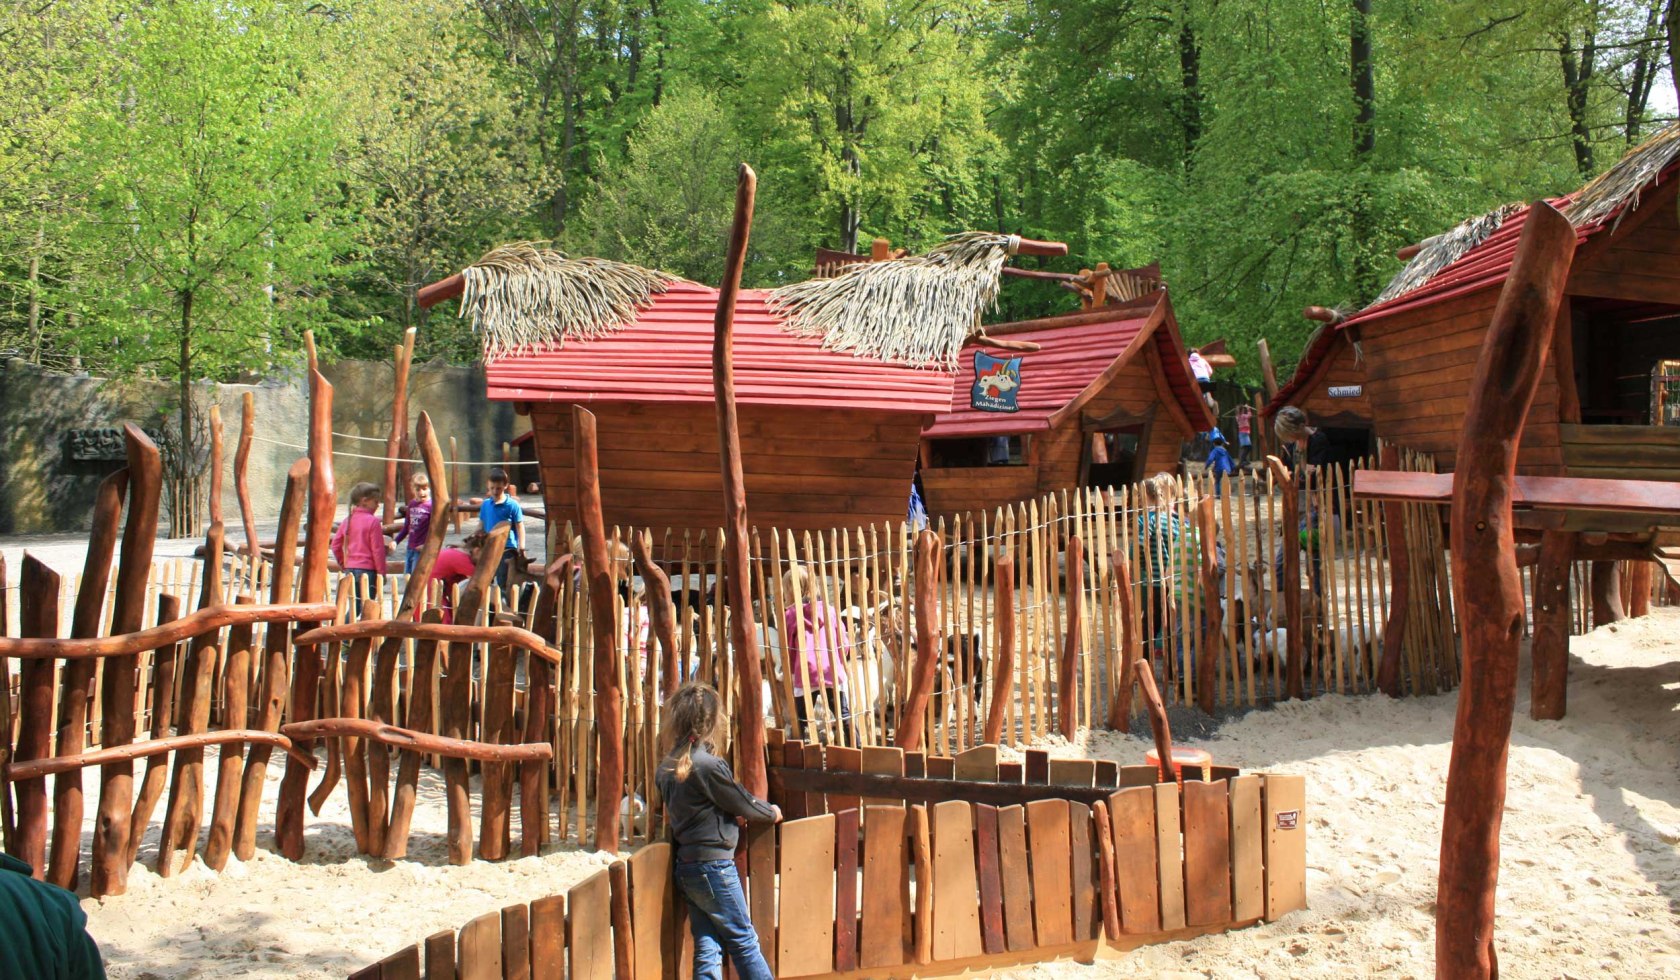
1231, 853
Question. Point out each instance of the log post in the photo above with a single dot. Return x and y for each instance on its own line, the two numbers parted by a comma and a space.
662, 614
1131, 643
1549, 680
236, 699
454, 707
914, 715
1003, 674
397, 439
609, 700
77, 686
185, 809
1291, 584
1490, 594
1066, 718
38, 617
1400, 586
1268, 374
161, 702
276, 674
109, 875
241, 479
1606, 594
1639, 583
306, 677
749, 717
1214, 630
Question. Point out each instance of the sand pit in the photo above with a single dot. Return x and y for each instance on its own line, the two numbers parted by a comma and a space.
1590, 883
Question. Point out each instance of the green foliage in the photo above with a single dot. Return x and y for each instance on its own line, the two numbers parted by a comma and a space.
291, 165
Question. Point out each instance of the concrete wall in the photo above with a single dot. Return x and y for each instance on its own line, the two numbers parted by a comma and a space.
42, 490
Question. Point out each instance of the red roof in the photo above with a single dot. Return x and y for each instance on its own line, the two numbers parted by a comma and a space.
1075, 361
665, 355
1483, 267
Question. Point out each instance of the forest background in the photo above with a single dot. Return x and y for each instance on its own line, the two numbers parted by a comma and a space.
186, 186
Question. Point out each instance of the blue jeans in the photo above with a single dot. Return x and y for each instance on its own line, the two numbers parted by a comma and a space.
365, 581
410, 561
717, 915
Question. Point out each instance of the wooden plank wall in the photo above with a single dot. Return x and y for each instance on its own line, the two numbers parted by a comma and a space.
806, 469
1231, 853
1345, 368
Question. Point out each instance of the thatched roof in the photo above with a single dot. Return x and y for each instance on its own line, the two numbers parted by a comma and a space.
1617, 189
918, 308
1444, 249
525, 295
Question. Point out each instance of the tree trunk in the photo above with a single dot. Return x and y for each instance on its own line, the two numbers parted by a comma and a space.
1190, 85
1576, 76
1364, 82
1642, 76
1671, 34
35, 292
181, 505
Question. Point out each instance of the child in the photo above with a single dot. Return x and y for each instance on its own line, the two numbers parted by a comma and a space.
359, 543
1245, 434
453, 567
1218, 460
417, 520
702, 801
816, 630
501, 507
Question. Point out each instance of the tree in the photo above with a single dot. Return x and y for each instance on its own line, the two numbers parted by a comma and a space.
217, 218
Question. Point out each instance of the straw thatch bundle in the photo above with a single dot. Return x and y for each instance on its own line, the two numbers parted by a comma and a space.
1444, 249
525, 295
918, 308
1621, 184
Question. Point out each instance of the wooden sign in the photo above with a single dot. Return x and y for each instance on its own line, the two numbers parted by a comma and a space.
1346, 391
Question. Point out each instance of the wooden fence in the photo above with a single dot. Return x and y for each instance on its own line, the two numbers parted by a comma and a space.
886, 888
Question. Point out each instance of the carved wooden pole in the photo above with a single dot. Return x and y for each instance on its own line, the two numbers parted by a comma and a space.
241, 484
1131, 644
38, 617
913, 717
323, 504
78, 679
749, 720
1291, 584
1066, 669
1606, 593
1400, 585
1214, 632
1490, 592
109, 874
396, 441
609, 699
662, 614
1003, 674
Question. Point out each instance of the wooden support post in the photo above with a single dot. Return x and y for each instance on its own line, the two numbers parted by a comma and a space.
109, 874
1268, 374
454, 705
77, 688
1213, 633
185, 810
397, 439
1003, 672
277, 662
241, 479
749, 718
236, 699
913, 716
609, 700
1066, 715
161, 701
1400, 586
323, 504
1549, 680
662, 614
1606, 594
1291, 584
1639, 584
1131, 645
38, 617
1489, 589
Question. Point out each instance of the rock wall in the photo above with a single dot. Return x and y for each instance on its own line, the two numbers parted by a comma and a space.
44, 488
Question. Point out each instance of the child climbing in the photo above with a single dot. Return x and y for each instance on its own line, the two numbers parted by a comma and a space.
702, 800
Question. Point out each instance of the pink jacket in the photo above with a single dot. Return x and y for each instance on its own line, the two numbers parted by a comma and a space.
824, 641
359, 542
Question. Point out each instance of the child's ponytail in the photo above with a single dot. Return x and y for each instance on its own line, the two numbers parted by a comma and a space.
694, 716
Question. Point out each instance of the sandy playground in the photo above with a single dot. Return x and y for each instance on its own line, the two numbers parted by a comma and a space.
1590, 885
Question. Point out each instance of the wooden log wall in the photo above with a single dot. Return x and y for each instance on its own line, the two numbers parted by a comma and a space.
940, 888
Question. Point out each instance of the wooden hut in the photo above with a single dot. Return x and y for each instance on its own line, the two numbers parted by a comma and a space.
1402, 366
1108, 398
835, 379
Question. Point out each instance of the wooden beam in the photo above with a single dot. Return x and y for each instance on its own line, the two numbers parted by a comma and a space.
609, 699
1548, 684
912, 716
1568, 493
1490, 596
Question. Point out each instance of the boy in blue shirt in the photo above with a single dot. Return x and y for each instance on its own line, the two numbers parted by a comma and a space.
501, 506
1218, 460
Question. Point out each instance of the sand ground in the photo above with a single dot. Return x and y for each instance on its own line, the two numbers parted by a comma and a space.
1590, 883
